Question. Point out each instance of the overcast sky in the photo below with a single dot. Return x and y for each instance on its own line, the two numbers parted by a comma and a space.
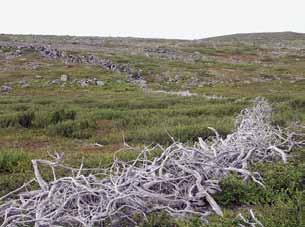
188, 19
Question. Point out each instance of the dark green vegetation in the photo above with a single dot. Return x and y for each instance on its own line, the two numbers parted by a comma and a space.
71, 119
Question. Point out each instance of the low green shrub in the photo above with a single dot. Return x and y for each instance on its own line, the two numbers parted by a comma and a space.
280, 203
8, 120
42, 119
36, 119
281, 182
62, 115
81, 129
11, 181
14, 161
25, 119
235, 192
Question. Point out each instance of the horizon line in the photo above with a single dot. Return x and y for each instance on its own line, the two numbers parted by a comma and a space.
153, 38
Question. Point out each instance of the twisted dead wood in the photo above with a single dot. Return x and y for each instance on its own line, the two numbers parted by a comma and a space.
181, 181
252, 222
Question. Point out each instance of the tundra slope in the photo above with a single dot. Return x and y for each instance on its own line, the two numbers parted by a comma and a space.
37, 117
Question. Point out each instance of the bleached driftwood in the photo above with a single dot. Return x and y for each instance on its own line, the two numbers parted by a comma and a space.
252, 222
181, 181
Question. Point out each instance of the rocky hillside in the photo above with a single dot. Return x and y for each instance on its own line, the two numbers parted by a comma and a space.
169, 64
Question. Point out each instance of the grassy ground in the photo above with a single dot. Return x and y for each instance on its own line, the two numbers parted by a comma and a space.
46, 118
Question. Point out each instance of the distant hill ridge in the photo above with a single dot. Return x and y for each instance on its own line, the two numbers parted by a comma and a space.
258, 36
288, 35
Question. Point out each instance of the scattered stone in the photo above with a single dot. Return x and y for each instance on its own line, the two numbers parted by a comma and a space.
25, 85
100, 83
6, 88
87, 82
162, 51
137, 79
52, 53
55, 82
194, 82
186, 93
38, 77
84, 83
64, 78
33, 65
139, 82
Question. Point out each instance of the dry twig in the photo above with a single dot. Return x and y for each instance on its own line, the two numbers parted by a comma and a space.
253, 222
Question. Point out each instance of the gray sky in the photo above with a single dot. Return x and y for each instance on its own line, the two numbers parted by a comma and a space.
188, 19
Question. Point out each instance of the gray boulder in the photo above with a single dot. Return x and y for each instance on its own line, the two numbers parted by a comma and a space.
100, 83
24, 85
57, 81
64, 78
6, 88
84, 83
38, 77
